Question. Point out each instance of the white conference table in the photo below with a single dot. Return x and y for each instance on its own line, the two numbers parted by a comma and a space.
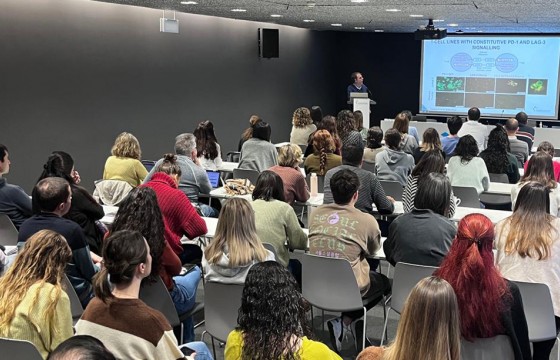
228, 166
499, 188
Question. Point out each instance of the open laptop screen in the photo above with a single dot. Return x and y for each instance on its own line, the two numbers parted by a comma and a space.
214, 177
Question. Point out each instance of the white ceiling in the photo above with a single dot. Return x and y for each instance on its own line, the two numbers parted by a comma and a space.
486, 16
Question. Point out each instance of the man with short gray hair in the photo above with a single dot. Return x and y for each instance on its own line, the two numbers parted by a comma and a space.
517, 147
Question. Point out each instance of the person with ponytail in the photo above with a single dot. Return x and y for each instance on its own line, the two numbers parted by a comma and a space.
323, 158
489, 304
34, 305
128, 327
85, 211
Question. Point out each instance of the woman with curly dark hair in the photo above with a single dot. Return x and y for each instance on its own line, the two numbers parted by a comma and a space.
497, 157
272, 319
207, 147
346, 127
465, 169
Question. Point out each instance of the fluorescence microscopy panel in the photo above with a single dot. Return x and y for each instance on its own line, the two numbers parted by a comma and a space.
510, 101
478, 84
450, 99
511, 86
538, 86
450, 83
479, 100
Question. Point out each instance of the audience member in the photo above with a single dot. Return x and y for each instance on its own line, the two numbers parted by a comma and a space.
549, 149
140, 212
52, 195
81, 347
525, 132
489, 304
235, 246
424, 235
393, 164
430, 141
323, 158
295, 186
528, 244
497, 156
432, 162
85, 211
193, 180
207, 147
248, 133
373, 144
359, 121
271, 293
340, 230
518, 147
477, 130
117, 317
316, 115
328, 124
428, 327
465, 168
408, 143
302, 126
411, 129
450, 141
14, 202
258, 153
346, 128
179, 216
371, 191
34, 305
124, 163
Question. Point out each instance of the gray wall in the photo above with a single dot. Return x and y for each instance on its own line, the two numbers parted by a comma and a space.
74, 74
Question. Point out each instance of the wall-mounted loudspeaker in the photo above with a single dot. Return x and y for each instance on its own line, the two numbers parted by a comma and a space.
269, 43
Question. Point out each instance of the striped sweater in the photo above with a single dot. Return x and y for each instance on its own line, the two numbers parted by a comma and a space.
409, 194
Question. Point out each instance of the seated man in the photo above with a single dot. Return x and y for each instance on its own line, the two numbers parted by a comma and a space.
525, 132
53, 197
14, 202
474, 128
370, 191
393, 164
340, 230
194, 180
517, 147
450, 141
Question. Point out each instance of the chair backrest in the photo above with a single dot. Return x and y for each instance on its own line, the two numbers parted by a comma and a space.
539, 312
252, 175
19, 349
330, 284
233, 156
405, 278
303, 147
392, 188
368, 166
271, 248
75, 304
320, 182
8, 232
156, 296
221, 307
501, 178
498, 347
468, 195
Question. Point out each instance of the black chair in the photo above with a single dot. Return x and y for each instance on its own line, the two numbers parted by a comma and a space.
393, 189
468, 196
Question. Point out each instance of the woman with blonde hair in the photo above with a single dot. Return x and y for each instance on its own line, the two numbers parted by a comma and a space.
124, 163
428, 328
235, 246
302, 126
295, 186
430, 142
408, 142
323, 158
34, 305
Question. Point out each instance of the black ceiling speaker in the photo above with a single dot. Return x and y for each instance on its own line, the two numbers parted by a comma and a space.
269, 43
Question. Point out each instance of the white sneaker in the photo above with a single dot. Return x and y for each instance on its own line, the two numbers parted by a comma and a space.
336, 332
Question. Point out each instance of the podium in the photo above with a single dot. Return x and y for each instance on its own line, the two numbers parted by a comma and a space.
360, 101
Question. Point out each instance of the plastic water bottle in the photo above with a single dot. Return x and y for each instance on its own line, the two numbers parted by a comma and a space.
314, 186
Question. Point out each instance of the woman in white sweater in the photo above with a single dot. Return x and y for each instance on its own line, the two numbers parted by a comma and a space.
302, 126
465, 169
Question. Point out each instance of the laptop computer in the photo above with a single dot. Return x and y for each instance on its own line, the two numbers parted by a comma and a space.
214, 177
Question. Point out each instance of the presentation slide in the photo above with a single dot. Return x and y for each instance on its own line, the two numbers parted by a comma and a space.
501, 75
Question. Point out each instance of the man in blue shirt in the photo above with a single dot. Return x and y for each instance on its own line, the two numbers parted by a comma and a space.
358, 85
450, 141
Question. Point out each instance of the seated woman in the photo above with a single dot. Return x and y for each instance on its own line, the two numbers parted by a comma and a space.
34, 305
359, 120
276, 221
373, 144
140, 212
346, 127
465, 169
258, 153
392, 163
428, 328
84, 210
497, 157
302, 126
430, 142
235, 246
528, 244
179, 216
270, 292
124, 163
424, 235
323, 158
432, 162
207, 147
128, 327
408, 144
540, 169
548, 148
248, 133
329, 124
295, 186
489, 304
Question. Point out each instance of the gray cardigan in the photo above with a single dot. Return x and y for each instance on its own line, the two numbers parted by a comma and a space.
258, 155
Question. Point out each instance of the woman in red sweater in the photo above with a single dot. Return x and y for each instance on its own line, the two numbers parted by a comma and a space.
179, 216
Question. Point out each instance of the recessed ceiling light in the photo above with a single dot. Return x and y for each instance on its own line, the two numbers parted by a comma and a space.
238, 10
359, 28
378, 30
438, 20
308, 20
392, 10
189, 2
336, 24
358, 1
416, 15
452, 24
276, 15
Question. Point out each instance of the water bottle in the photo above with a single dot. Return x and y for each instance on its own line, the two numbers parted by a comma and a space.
314, 186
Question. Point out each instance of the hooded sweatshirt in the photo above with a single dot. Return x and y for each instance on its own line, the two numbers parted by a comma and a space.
221, 271
393, 165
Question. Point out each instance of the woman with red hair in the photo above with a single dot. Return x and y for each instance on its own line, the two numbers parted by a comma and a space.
489, 304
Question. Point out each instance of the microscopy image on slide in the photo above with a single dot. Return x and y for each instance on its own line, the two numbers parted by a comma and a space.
510, 101
450, 83
449, 99
479, 100
538, 86
511, 86
477, 84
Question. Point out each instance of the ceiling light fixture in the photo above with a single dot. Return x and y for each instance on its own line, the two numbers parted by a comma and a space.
416, 15
276, 15
336, 24
359, 28
238, 10
308, 20
453, 24
438, 20
189, 2
392, 10
379, 30
358, 1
